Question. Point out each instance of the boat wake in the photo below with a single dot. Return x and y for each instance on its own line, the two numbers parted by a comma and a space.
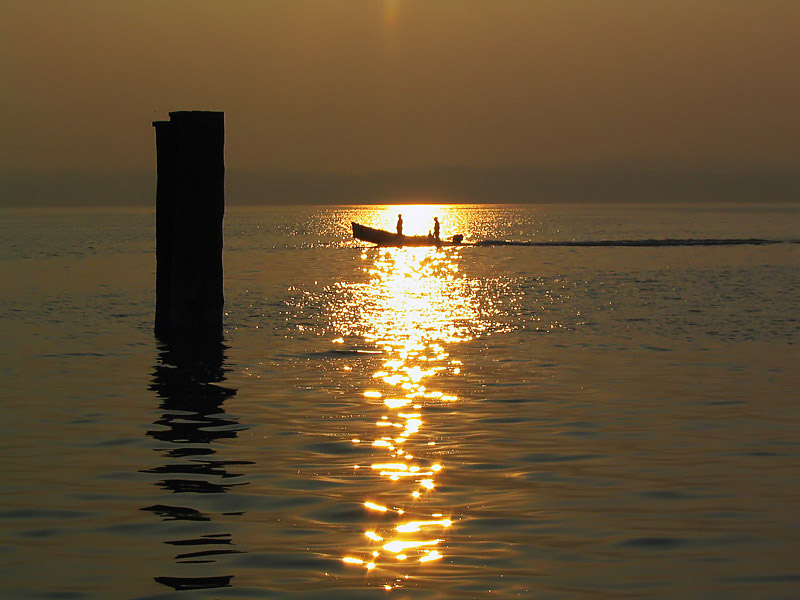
645, 243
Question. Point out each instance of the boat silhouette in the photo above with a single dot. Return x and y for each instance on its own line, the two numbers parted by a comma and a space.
387, 238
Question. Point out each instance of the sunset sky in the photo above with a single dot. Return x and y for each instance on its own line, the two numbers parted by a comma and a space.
357, 86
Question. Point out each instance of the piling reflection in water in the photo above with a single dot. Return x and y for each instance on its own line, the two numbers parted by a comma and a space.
187, 381
413, 307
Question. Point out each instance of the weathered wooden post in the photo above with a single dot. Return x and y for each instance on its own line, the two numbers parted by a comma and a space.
190, 205
165, 206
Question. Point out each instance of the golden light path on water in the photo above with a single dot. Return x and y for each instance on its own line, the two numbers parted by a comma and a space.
414, 305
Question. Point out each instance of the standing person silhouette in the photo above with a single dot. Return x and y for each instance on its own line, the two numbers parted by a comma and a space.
399, 224
436, 227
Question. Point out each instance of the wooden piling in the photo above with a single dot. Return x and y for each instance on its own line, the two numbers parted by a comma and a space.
190, 206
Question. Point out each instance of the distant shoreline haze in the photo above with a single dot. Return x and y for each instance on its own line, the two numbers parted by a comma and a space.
447, 185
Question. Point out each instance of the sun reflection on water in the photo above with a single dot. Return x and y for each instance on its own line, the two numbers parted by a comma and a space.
414, 305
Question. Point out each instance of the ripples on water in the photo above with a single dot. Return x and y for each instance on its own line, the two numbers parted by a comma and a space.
414, 307
422, 423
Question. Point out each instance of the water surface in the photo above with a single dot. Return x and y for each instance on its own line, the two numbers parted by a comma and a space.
548, 422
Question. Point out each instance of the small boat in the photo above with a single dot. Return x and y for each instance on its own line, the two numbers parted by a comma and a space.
387, 238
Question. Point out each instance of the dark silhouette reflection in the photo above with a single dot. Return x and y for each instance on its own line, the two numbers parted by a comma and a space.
188, 381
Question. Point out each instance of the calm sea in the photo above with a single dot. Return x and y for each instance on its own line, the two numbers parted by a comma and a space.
473, 422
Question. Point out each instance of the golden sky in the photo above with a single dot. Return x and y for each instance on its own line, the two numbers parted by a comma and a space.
357, 85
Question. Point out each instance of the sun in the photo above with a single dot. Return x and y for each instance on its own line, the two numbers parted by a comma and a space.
417, 218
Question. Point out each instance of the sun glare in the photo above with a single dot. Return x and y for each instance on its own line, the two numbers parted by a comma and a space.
391, 10
418, 219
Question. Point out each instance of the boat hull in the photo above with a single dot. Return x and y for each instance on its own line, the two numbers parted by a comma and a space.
387, 238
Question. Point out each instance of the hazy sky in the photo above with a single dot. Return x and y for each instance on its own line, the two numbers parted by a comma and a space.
354, 85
